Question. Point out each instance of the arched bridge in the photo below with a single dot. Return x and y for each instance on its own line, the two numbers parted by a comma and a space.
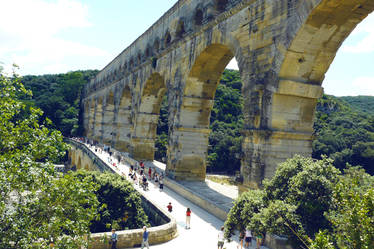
283, 49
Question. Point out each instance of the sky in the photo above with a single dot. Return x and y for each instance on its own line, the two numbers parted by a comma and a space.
57, 36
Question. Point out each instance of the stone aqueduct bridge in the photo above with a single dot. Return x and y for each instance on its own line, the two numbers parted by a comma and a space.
283, 49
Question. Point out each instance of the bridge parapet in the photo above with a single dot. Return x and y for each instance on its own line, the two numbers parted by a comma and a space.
163, 35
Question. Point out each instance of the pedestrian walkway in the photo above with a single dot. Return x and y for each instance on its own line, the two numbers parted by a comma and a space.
204, 226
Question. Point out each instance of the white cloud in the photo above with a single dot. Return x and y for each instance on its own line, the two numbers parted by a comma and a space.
363, 86
365, 30
29, 32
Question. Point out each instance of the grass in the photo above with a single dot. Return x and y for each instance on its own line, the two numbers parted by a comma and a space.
224, 180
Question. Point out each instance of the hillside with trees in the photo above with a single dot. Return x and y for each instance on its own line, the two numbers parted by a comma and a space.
361, 103
58, 95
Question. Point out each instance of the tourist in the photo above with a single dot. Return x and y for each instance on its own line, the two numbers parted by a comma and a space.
156, 178
188, 218
145, 237
113, 239
170, 207
248, 238
150, 173
145, 183
135, 178
221, 238
241, 238
161, 184
259, 238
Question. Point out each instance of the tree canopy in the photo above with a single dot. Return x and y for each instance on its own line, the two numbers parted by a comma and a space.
312, 203
37, 205
58, 95
120, 203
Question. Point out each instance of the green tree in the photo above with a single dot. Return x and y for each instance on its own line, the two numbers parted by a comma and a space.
344, 134
37, 204
120, 203
59, 97
352, 215
300, 191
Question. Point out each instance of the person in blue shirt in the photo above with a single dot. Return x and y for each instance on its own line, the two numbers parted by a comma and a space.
145, 238
113, 239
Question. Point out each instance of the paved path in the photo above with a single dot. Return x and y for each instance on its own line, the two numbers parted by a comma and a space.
204, 226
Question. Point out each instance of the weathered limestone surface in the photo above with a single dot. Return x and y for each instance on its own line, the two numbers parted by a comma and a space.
283, 49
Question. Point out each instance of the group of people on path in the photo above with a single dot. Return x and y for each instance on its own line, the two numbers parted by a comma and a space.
245, 237
139, 177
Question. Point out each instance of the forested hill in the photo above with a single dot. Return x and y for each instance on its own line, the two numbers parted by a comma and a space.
344, 126
361, 103
58, 96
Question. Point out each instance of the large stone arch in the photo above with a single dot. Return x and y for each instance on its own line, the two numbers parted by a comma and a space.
123, 120
283, 126
191, 134
146, 118
317, 40
108, 118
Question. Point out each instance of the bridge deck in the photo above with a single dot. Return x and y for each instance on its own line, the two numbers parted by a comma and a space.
204, 225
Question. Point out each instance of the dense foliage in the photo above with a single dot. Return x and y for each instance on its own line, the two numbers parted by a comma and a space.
344, 134
361, 103
37, 205
300, 191
120, 202
226, 122
352, 215
58, 96
306, 197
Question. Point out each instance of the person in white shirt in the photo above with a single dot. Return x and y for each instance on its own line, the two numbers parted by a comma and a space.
221, 238
248, 238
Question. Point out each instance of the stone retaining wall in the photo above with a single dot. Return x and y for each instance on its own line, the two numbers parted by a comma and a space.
164, 231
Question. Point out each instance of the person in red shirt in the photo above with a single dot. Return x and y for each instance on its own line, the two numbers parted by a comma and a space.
150, 173
170, 207
188, 218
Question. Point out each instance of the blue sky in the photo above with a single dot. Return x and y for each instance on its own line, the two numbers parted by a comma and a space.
57, 36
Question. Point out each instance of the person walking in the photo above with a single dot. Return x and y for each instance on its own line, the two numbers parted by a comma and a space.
170, 207
221, 238
113, 239
241, 238
145, 238
259, 238
248, 238
150, 173
161, 184
188, 218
